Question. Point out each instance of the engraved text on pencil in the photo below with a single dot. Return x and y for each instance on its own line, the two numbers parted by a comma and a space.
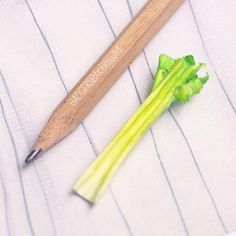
94, 76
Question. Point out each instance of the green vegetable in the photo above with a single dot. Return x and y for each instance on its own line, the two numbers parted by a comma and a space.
175, 80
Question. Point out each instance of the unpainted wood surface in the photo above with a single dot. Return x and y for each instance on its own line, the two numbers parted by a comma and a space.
180, 180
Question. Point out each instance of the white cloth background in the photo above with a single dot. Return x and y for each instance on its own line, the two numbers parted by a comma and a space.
179, 180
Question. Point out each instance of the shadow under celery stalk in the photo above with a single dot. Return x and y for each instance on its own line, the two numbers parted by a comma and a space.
175, 80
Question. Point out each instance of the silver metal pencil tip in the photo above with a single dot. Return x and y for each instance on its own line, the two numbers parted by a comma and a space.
33, 154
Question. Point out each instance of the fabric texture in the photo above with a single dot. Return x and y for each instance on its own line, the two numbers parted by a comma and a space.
179, 180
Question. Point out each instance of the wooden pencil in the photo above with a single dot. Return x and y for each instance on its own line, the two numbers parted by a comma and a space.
104, 73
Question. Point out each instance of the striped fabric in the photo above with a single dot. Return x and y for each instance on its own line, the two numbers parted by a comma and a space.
181, 178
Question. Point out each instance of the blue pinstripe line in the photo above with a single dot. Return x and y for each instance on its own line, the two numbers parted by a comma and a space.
209, 58
186, 140
65, 87
200, 173
34, 165
18, 170
5, 201
153, 138
47, 45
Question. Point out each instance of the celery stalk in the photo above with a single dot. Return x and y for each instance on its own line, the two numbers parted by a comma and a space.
175, 80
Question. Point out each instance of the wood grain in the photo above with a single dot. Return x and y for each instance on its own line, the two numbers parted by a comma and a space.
105, 72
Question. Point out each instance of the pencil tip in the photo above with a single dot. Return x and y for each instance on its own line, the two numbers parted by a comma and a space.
33, 154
